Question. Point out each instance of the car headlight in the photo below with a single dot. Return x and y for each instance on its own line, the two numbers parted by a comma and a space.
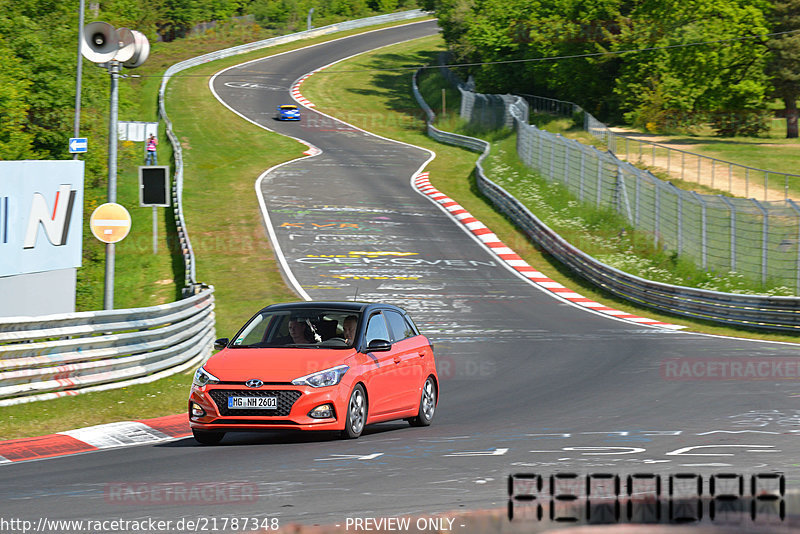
203, 377
328, 377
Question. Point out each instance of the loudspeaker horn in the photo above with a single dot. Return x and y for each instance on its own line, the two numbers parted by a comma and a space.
127, 45
100, 42
141, 50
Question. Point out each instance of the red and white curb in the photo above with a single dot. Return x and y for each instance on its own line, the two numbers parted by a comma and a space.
423, 184
95, 438
295, 89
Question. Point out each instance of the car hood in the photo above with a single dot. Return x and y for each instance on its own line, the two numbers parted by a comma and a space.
273, 365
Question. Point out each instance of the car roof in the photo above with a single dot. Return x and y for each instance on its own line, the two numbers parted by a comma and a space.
341, 305
289, 106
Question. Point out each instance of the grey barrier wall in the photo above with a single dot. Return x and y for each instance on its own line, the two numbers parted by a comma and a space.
56, 355
771, 313
759, 240
48, 357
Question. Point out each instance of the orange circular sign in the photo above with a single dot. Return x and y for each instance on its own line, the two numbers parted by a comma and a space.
110, 222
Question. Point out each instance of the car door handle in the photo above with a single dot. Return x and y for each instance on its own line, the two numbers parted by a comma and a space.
397, 359
421, 354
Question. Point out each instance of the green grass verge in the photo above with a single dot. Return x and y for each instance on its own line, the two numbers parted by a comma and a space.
387, 107
223, 157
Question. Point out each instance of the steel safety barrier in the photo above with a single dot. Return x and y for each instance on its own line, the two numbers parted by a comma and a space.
754, 311
57, 355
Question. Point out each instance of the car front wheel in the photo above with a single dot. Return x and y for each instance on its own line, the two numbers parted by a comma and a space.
208, 438
427, 404
356, 413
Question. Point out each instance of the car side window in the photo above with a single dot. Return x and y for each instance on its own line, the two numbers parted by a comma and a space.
398, 325
376, 328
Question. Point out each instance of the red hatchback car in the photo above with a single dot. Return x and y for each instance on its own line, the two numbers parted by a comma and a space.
316, 366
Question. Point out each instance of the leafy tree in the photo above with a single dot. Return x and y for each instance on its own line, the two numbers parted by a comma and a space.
783, 65
682, 86
495, 30
16, 141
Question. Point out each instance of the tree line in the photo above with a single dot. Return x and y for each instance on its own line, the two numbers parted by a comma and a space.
664, 65
38, 57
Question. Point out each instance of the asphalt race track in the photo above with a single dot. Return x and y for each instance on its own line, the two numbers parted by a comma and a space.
529, 384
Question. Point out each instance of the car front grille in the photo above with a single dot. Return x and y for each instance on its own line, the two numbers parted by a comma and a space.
286, 398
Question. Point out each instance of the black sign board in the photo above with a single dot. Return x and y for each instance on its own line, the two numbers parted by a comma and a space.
154, 185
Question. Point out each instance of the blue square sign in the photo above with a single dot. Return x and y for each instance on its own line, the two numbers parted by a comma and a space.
78, 144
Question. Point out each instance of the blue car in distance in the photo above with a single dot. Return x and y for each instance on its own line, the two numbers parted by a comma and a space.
288, 113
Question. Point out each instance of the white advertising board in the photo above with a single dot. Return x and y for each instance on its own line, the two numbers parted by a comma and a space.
41, 216
136, 130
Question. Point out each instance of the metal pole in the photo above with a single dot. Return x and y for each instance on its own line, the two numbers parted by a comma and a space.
308, 20
764, 240
78, 77
703, 230
732, 230
113, 69
797, 265
747, 182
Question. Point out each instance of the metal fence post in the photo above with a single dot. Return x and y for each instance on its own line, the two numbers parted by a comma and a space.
764, 240
599, 178
732, 230
747, 182
683, 164
703, 231
622, 196
797, 265
583, 164
657, 218
636, 201
677, 192
713, 168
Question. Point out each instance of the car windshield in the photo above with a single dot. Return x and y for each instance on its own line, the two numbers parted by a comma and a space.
288, 108
300, 327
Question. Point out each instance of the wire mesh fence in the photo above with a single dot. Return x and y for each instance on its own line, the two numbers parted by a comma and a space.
756, 239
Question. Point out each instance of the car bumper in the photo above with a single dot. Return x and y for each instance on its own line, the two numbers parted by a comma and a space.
294, 405
289, 118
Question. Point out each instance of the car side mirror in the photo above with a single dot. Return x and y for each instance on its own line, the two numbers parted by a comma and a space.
221, 343
379, 345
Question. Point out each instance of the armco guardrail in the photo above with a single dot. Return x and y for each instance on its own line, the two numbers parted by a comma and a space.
191, 285
771, 313
52, 356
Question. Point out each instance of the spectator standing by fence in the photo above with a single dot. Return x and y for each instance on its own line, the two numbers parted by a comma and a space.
152, 156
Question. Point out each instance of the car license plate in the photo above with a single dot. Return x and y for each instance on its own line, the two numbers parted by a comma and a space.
257, 403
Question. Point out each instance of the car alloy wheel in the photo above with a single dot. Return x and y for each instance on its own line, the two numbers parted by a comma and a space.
427, 404
356, 413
